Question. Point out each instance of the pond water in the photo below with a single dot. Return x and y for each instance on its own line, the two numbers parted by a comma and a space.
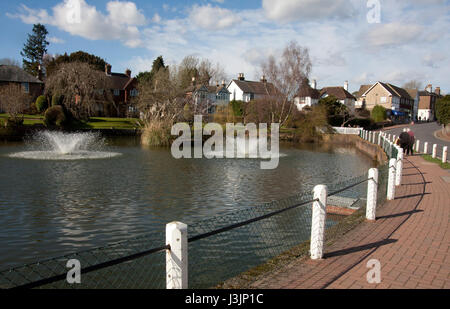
55, 207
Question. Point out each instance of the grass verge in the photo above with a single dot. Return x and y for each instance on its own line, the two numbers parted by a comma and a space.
429, 158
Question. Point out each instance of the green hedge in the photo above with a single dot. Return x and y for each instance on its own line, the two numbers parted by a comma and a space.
41, 104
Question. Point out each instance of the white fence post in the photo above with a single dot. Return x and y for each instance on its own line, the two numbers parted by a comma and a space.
391, 179
177, 256
434, 151
379, 139
417, 145
318, 222
444, 154
425, 148
398, 174
372, 190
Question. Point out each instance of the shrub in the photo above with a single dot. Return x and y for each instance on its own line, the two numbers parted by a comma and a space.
157, 133
443, 110
55, 116
379, 113
57, 99
41, 103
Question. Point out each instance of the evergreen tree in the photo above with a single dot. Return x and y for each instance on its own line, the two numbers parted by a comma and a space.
158, 64
35, 49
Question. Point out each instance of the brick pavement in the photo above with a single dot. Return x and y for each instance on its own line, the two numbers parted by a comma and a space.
410, 238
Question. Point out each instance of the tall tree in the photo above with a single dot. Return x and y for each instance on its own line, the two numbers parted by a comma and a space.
35, 49
287, 73
158, 64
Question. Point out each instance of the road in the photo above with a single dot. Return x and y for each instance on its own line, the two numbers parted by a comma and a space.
424, 132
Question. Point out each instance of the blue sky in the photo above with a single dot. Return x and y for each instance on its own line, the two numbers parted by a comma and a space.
409, 40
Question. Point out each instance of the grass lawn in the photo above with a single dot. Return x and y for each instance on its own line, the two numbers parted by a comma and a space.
445, 165
112, 123
93, 123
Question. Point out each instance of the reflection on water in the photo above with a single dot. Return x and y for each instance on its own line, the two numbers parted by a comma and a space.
50, 208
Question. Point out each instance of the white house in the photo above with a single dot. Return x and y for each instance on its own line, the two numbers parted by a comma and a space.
244, 90
307, 95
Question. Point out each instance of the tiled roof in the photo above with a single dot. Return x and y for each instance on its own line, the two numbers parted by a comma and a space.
307, 91
263, 88
338, 92
362, 90
119, 80
11, 73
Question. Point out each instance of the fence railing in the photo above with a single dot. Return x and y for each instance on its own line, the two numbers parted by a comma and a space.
437, 151
205, 253
344, 130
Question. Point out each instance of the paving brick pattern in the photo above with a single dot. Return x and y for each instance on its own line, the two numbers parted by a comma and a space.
410, 239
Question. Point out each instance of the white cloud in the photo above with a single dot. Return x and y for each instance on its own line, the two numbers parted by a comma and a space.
78, 18
433, 59
292, 10
213, 18
392, 34
55, 40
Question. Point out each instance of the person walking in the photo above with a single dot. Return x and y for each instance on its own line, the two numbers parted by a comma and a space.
412, 140
404, 141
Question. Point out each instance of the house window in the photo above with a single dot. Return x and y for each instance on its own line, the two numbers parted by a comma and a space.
116, 92
134, 93
26, 87
383, 99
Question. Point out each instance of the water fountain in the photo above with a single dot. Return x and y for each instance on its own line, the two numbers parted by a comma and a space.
47, 145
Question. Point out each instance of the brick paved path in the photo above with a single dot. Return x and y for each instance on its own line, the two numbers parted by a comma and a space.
410, 238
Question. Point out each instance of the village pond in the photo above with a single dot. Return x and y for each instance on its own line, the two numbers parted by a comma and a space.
51, 207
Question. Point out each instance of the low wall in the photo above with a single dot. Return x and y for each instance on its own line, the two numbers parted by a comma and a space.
373, 151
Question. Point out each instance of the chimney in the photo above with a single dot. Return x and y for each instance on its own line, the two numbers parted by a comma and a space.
108, 69
241, 76
128, 73
40, 76
314, 84
263, 79
437, 91
429, 88
223, 83
346, 85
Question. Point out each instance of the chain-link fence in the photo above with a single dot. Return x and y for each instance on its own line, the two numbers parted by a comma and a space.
219, 248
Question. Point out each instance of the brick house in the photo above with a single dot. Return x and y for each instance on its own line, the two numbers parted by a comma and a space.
123, 90
13, 75
427, 103
397, 101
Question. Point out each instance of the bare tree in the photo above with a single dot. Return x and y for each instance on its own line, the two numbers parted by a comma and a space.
287, 74
14, 101
9, 61
84, 88
413, 84
162, 98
